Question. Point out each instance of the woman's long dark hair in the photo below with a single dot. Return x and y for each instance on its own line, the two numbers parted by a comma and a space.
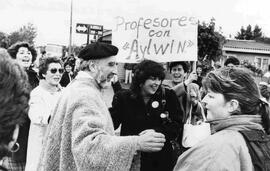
14, 97
238, 84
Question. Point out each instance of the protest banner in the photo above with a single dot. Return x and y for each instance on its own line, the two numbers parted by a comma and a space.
162, 39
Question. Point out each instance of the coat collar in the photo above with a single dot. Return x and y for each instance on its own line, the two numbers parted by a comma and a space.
237, 122
88, 79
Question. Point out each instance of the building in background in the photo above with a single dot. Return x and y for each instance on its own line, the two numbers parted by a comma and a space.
256, 53
54, 50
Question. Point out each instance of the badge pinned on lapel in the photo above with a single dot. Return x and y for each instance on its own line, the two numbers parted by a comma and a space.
163, 115
155, 104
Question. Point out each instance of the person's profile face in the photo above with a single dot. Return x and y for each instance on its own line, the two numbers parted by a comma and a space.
217, 107
24, 57
107, 69
177, 73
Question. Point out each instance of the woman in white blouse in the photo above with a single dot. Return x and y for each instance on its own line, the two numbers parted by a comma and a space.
42, 101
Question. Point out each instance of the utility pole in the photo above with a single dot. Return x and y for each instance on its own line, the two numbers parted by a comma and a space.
70, 29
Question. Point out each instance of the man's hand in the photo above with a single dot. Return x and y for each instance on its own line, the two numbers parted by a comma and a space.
150, 141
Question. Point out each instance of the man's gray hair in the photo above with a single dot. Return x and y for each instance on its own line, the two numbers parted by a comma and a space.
84, 64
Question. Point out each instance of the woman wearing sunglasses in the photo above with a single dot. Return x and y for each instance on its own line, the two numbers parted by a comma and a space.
42, 100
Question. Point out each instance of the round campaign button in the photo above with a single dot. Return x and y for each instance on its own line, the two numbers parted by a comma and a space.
155, 104
163, 116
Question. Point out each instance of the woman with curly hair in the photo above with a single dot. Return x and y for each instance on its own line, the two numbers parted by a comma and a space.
14, 96
42, 101
148, 105
25, 55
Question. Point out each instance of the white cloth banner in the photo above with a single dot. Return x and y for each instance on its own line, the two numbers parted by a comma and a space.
162, 38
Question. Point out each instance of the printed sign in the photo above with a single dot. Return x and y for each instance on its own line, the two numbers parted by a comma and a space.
162, 39
89, 29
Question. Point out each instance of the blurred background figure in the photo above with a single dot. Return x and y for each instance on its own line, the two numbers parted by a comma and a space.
14, 96
199, 72
265, 91
42, 101
68, 75
72, 61
193, 97
232, 62
216, 65
25, 55
178, 71
266, 76
128, 72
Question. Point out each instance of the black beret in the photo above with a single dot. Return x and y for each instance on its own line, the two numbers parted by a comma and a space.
98, 50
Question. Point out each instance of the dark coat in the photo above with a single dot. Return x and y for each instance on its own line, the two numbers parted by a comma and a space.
65, 80
20, 155
33, 78
130, 110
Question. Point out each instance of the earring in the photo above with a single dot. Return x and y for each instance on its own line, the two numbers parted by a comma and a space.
15, 148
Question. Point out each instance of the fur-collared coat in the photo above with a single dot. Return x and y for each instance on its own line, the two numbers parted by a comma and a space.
81, 134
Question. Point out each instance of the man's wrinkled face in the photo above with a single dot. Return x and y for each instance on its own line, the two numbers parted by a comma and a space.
106, 69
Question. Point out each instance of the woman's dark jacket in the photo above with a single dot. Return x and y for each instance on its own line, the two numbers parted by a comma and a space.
20, 155
130, 110
65, 80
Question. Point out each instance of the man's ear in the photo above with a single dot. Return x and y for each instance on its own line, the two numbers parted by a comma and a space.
233, 105
92, 67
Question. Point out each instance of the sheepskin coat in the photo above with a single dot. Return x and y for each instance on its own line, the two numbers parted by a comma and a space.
81, 136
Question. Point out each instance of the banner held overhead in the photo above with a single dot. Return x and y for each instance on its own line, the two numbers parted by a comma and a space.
162, 39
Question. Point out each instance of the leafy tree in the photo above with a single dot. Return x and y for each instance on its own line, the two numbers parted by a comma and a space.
26, 33
248, 33
3, 40
263, 40
241, 34
210, 43
257, 32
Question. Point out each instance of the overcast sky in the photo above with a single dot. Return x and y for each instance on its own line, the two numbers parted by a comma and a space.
52, 17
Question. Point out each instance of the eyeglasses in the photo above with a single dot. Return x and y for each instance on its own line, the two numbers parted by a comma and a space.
54, 70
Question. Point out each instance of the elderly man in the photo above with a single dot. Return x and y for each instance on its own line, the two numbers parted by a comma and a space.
81, 134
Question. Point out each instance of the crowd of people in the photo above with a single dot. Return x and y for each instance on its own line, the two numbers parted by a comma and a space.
56, 118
